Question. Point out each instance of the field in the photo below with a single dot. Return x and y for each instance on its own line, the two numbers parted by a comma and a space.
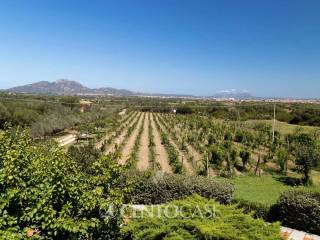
147, 141
285, 128
192, 144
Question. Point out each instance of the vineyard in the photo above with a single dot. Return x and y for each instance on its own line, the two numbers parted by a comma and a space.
144, 141
203, 145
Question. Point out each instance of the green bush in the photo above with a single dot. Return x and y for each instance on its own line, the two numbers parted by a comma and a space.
196, 222
42, 190
256, 209
163, 188
84, 155
299, 209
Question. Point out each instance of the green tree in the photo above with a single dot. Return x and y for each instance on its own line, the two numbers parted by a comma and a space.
231, 156
282, 158
70, 101
217, 156
44, 193
307, 155
4, 115
245, 157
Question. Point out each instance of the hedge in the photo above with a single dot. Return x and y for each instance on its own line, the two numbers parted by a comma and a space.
256, 209
299, 209
157, 189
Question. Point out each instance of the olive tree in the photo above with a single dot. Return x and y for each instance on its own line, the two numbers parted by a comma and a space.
306, 153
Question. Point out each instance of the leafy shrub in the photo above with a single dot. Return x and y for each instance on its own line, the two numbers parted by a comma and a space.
4, 115
164, 188
299, 209
245, 157
256, 209
44, 192
227, 222
84, 155
239, 137
184, 110
218, 155
173, 156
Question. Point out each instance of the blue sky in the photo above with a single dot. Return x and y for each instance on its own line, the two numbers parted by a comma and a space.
268, 47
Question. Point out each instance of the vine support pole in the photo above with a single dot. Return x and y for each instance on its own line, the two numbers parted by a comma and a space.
274, 122
207, 164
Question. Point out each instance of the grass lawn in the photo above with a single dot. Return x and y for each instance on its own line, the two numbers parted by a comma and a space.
286, 128
316, 178
264, 189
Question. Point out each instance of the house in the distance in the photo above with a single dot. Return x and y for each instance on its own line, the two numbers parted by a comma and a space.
85, 105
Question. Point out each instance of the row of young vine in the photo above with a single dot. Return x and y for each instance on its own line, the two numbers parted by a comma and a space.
173, 154
116, 129
178, 140
133, 158
129, 131
151, 145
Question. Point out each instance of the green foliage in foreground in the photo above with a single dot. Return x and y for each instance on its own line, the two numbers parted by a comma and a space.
228, 223
300, 210
44, 193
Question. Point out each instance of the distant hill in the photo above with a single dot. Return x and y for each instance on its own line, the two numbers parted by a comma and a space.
61, 86
68, 87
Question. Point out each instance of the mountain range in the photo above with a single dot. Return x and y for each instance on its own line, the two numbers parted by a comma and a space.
69, 87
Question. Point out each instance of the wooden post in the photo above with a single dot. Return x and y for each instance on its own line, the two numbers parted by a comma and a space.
182, 160
230, 165
258, 165
208, 164
274, 122
286, 161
